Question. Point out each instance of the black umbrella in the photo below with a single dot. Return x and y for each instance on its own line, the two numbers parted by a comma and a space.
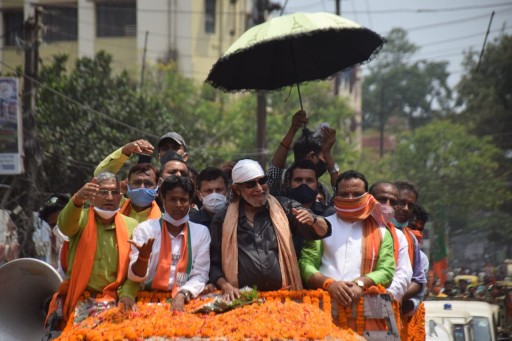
292, 49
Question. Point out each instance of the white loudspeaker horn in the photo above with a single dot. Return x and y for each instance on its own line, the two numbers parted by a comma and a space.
26, 287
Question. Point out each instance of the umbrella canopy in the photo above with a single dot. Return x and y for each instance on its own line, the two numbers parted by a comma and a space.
292, 49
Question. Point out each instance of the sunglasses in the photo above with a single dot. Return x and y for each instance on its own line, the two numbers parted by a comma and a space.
251, 184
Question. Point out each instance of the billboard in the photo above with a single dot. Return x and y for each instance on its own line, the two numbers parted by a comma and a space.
11, 129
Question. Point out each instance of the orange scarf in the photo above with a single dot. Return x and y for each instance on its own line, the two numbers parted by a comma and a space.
410, 240
83, 262
163, 270
154, 213
356, 209
417, 234
287, 258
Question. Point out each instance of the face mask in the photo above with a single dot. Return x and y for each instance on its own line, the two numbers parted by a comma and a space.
142, 197
399, 225
303, 194
355, 209
214, 202
104, 213
173, 221
321, 168
383, 214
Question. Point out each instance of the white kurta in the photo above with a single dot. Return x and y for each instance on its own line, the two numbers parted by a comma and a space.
403, 272
200, 242
342, 251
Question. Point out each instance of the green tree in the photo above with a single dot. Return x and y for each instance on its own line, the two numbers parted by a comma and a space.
398, 87
455, 171
486, 95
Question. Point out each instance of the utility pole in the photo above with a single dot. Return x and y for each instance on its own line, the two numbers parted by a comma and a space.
32, 154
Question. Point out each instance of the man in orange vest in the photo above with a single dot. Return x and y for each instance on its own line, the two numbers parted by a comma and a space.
98, 248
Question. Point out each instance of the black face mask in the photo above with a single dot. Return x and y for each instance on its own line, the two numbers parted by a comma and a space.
321, 168
303, 194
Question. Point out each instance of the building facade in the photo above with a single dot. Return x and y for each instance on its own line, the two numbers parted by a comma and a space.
192, 33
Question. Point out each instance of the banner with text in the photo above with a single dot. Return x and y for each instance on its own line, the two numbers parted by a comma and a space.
11, 129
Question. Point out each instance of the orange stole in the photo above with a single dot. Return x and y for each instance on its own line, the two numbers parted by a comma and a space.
74, 287
163, 269
154, 213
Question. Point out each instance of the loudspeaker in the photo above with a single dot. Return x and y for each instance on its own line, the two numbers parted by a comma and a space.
26, 288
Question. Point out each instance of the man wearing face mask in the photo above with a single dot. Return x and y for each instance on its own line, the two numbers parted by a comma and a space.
141, 190
407, 196
315, 147
301, 181
172, 253
98, 246
359, 252
387, 195
212, 190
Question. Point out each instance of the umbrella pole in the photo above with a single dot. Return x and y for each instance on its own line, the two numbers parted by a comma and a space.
300, 97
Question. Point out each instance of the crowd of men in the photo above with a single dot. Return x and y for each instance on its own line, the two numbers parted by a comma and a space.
223, 228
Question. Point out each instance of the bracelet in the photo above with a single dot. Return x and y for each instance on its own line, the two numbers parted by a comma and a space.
284, 146
327, 283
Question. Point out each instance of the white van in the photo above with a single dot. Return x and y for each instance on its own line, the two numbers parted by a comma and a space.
461, 320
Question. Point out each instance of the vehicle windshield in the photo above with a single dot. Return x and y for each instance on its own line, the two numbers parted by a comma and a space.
458, 332
481, 328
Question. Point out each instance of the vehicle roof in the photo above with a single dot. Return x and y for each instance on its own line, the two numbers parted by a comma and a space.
473, 308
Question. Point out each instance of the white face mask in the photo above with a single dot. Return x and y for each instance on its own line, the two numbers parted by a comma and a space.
104, 213
175, 222
214, 202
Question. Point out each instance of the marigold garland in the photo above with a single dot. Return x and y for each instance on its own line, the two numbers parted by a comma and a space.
416, 328
310, 320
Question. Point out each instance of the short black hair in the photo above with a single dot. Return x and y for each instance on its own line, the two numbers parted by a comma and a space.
142, 168
53, 203
211, 173
420, 213
173, 181
407, 185
170, 155
307, 142
301, 164
352, 174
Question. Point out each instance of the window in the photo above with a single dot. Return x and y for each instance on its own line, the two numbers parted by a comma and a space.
118, 19
209, 16
13, 26
61, 23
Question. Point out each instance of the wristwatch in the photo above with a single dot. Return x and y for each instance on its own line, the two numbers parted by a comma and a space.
359, 283
334, 168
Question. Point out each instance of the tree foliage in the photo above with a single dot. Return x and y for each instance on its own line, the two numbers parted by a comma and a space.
486, 95
414, 92
456, 172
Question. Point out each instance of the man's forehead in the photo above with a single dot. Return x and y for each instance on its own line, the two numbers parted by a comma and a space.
407, 194
175, 165
303, 172
385, 189
108, 183
351, 183
142, 173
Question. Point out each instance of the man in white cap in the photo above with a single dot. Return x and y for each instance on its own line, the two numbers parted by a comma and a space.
252, 237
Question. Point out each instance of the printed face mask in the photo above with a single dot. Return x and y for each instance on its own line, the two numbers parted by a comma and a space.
142, 197
214, 202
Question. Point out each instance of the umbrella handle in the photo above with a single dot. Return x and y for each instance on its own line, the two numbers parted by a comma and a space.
300, 97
